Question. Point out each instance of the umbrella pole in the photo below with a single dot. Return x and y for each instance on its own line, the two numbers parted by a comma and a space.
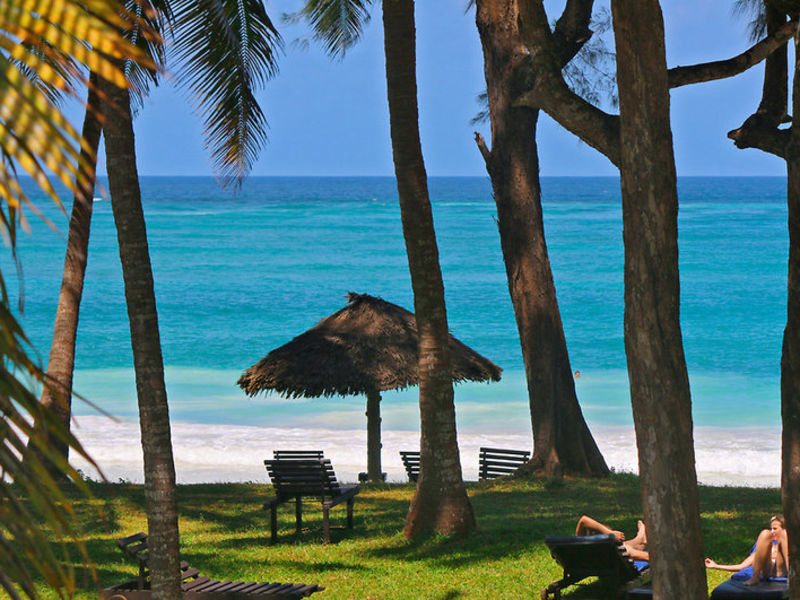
374, 436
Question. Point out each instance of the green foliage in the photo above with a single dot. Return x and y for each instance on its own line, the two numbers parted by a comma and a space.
225, 534
227, 49
592, 73
337, 24
45, 48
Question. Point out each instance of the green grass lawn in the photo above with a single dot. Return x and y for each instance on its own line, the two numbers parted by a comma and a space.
225, 534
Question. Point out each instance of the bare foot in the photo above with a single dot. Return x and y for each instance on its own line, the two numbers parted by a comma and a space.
642, 531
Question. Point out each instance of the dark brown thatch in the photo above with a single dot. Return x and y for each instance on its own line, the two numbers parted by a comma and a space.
368, 346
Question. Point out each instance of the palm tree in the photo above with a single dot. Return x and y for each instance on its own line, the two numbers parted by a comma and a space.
34, 133
215, 53
440, 502
226, 46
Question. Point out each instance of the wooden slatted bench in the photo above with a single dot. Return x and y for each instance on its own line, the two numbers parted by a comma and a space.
196, 586
297, 455
496, 462
298, 479
411, 463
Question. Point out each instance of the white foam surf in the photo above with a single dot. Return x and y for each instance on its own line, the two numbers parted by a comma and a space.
229, 453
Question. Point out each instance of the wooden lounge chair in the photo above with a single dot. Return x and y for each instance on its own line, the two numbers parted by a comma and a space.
496, 462
298, 479
411, 463
196, 586
601, 556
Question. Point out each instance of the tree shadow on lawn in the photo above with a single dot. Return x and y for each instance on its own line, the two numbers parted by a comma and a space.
513, 517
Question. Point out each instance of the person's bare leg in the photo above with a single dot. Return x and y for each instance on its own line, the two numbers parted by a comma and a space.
761, 556
783, 554
588, 526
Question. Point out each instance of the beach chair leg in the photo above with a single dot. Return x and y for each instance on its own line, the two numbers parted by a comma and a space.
298, 514
326, 525
273, 522
350, 513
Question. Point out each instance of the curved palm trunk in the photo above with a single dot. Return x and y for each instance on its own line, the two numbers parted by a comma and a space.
562, 440
57, 396
440, 502
159, 469
659, 380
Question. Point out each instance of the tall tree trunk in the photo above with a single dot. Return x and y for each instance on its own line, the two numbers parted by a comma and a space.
159, 469
374, 469
562, 441
790, 359
57, 394
440, 502
653, 343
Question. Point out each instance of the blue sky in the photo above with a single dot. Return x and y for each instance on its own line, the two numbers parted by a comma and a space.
330, 117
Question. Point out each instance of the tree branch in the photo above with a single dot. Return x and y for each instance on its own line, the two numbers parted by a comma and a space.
759, 132
552, 94
485, 152
572, 29
720, 69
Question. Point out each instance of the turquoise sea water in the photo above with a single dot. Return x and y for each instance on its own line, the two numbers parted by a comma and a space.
239, 275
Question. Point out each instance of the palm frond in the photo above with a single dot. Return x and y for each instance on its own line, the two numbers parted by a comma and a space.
157, 16
45, 47
227, 49
337, 24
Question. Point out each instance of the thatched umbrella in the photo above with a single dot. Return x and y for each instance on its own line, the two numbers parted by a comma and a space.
367, 347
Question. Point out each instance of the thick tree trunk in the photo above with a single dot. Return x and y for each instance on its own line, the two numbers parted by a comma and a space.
159, 469
790, 359
440, 503
374, 437
57, 394
653, 343
562, 441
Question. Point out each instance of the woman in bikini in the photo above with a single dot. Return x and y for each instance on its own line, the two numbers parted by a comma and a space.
769, 559
636, 547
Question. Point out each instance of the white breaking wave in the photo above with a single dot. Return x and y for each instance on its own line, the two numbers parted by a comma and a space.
235, 453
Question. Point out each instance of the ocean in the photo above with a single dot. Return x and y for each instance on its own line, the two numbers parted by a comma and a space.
237, 275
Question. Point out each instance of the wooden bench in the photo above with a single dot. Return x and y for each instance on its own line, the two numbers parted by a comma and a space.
297, 455
411, 463
298, 479
196, 586
496, 462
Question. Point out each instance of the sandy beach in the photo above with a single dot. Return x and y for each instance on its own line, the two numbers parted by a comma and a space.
235, 453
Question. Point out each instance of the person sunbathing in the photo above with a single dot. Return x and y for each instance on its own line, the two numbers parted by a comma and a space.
770, 557
636, 547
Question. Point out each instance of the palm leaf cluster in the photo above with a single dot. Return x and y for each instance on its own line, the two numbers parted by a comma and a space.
42, 42
337, 24
226, 50
46, 48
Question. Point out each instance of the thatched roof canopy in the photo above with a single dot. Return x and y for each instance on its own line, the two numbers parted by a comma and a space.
370, 345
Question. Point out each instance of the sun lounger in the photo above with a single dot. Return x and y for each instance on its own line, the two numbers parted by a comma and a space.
601, 556
734, 589
298, 479
496, 462
196, 586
